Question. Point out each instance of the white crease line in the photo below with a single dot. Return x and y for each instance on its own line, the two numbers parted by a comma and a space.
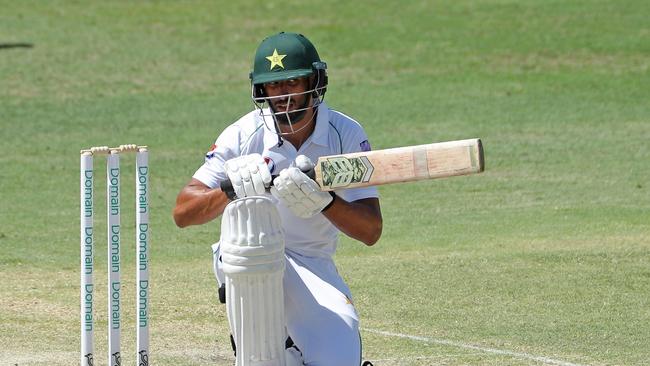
420, 358
476, 348
19, 359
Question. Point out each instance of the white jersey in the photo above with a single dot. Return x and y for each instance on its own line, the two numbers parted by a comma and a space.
335, 133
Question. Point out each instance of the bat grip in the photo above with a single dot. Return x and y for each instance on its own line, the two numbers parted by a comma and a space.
310, 173
229, 190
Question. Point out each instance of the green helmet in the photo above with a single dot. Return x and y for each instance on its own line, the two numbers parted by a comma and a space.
285, 56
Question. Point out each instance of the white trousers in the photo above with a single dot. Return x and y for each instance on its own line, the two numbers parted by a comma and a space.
320, 316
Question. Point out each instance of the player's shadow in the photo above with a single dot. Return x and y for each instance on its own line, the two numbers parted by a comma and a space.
6, 46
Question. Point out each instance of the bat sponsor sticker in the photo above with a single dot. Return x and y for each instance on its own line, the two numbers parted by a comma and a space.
339, 172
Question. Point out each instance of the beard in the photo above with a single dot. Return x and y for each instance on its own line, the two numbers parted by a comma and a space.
290, 117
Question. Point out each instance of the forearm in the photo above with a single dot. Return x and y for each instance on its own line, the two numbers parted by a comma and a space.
360, 220
197, 205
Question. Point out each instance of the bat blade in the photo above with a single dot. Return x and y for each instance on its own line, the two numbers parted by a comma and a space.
402, 164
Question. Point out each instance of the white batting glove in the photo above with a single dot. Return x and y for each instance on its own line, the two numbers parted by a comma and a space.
300, 193
248, 174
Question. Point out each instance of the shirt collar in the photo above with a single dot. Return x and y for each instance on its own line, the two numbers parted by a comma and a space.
321, 131
270, 136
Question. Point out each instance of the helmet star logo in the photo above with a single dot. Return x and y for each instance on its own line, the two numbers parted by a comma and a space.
276, 60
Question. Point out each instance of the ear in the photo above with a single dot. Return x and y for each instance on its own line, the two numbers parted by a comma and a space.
259, 91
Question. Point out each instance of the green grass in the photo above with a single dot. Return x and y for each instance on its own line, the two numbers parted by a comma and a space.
545, 254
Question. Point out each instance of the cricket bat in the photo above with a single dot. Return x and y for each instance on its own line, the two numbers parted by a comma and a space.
396, 165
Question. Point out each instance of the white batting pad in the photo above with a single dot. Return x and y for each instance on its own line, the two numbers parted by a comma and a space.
252, 251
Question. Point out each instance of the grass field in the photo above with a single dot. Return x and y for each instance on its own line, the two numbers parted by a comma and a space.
542, 260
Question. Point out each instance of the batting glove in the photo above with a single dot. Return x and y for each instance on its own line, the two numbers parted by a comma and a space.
300, 193
248, 174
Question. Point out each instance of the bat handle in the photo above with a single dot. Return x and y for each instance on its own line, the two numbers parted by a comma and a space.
310, 173
229, 190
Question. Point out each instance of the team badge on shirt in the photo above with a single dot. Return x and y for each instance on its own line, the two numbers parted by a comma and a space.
270, 164
365, 145
213, 151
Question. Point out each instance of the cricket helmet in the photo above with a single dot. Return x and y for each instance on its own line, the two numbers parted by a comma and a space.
285, 56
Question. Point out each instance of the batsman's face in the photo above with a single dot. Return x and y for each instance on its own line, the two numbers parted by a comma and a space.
288, 95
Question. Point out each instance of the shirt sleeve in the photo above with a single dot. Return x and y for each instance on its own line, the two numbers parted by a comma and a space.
357, 141
225, 148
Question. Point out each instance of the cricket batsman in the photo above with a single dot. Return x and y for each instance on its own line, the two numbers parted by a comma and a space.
274, 257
